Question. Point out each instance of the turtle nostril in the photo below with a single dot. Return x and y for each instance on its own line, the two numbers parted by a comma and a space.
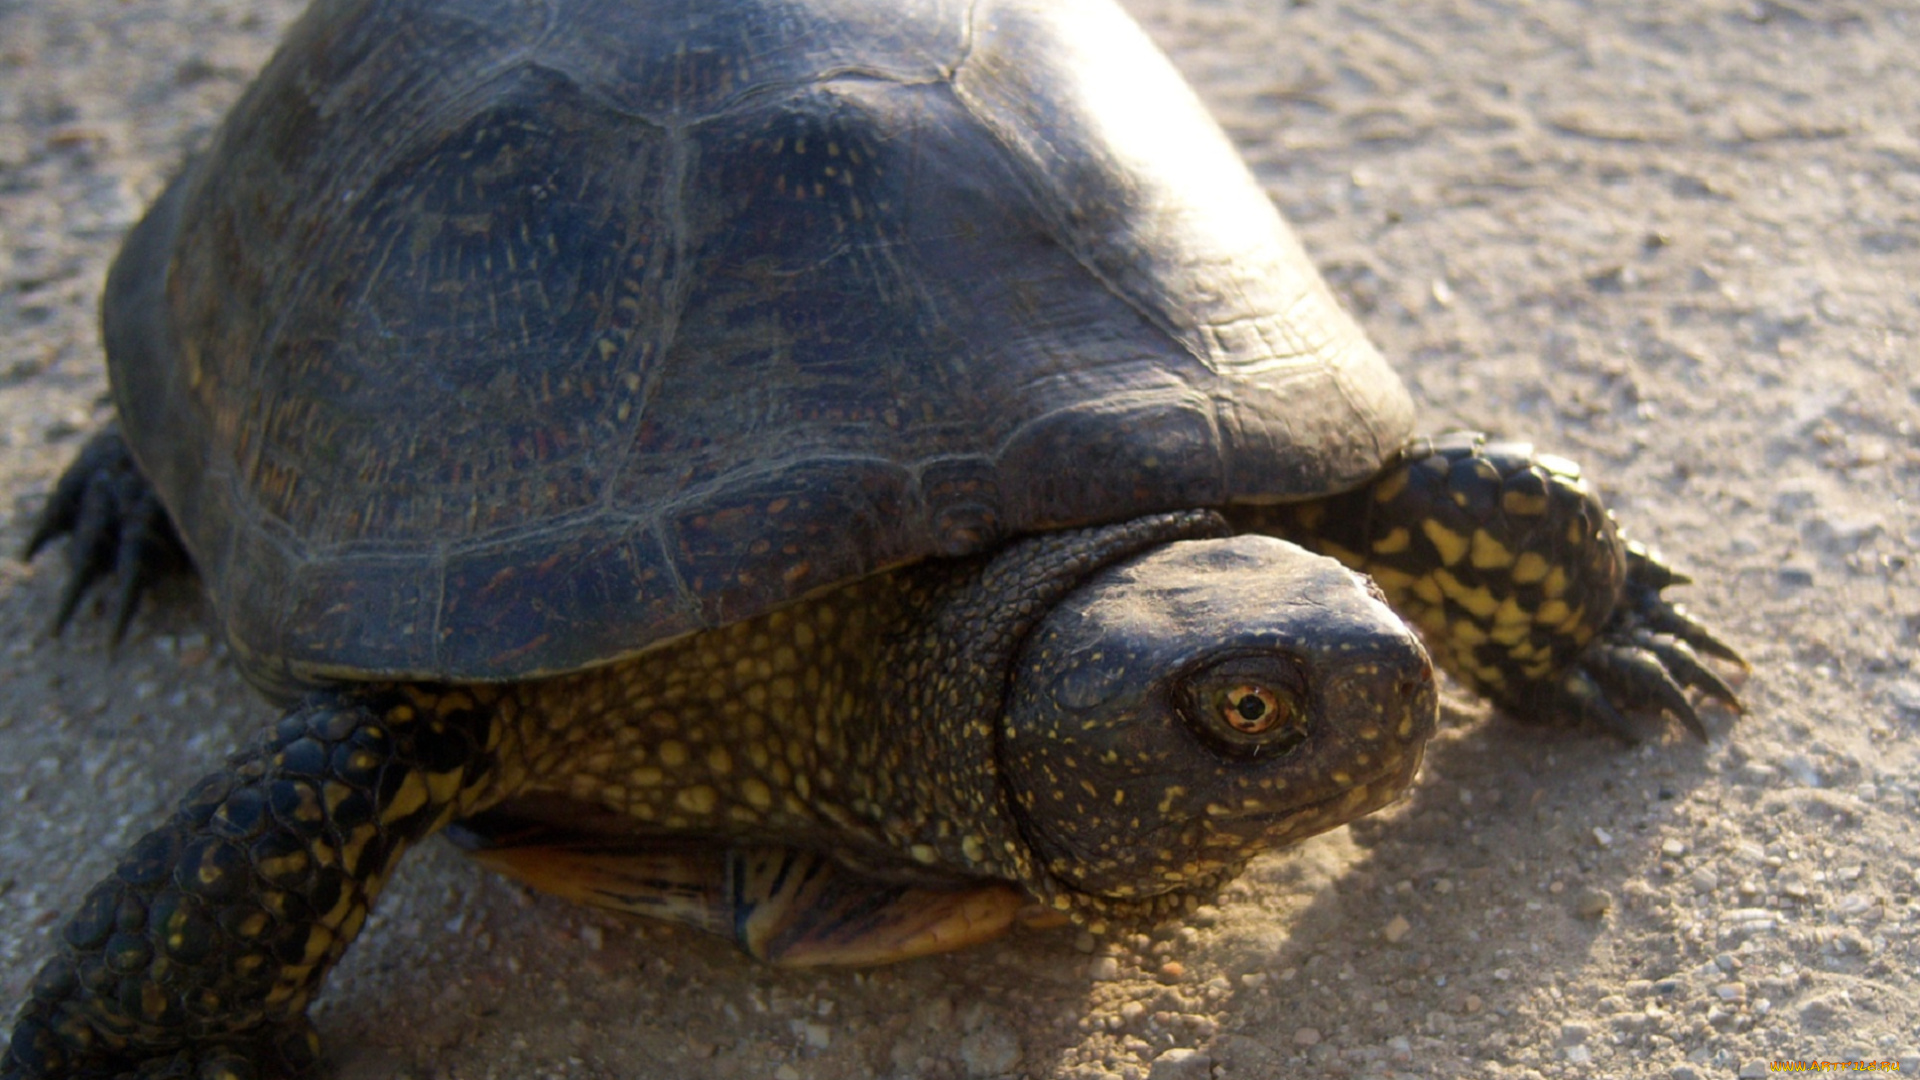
1418, 683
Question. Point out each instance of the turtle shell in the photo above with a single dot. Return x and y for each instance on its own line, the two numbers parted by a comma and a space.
493, 339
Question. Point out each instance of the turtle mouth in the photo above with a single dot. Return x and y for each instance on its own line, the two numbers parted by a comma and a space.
1358, 798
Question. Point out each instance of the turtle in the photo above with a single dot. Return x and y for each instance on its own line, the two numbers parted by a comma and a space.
844, 475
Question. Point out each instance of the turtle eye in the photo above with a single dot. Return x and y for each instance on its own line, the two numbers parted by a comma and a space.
1252, 709
1250, 706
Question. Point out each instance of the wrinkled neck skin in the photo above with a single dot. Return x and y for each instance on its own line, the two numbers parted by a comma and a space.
862, 723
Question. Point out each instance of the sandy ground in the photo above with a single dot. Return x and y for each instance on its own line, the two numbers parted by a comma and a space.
1676, 242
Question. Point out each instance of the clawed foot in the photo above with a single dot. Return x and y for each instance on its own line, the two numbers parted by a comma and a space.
1647, 657
116, 527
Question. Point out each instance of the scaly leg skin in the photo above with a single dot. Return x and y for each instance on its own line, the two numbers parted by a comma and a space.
116, 525
1520, 580
198, 956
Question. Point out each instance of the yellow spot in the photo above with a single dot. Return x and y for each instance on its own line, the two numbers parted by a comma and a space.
1551, 613
1347, 556
757, 794
1572, 624
319, 940
1477, 599
924, 853
699, 799
1468, 633
1529, 568
719, 761
335, 793
1488, 552
1556, 584
1512, 634
1521, 504
1392, 582
673, 753
1451, 545
411, 796
356, 843
1511, 613
442, 787
332, 919
283, 866
973, 848
253, 925
356, 918
646, 776
1428, 588
1394, 542
1390, 486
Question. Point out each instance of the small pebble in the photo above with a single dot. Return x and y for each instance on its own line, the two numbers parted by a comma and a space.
1733, 993
1181, 1063
1306, 1036
1602, 837
1172, 971
1592, 903
1103, 969
786, 1072
1397, 929
992, 1050
1672, 849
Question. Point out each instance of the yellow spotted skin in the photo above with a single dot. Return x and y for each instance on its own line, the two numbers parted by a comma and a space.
1504, 558
215, 930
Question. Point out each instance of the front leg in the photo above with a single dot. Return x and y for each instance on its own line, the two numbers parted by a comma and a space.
198, 956
1520, 581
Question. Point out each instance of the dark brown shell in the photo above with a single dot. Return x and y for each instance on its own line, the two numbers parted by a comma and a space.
494, 339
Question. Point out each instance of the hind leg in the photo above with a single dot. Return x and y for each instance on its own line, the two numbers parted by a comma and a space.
115, 527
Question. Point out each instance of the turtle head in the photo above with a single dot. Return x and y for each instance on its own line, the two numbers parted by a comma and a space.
1195, 706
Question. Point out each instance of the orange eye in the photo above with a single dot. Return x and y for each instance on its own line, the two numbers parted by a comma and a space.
1250, 709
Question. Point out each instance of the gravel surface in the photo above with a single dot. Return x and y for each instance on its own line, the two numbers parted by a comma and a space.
1676, 242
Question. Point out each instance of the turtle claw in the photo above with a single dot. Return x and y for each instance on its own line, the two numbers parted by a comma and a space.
1647, 658
115, 527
